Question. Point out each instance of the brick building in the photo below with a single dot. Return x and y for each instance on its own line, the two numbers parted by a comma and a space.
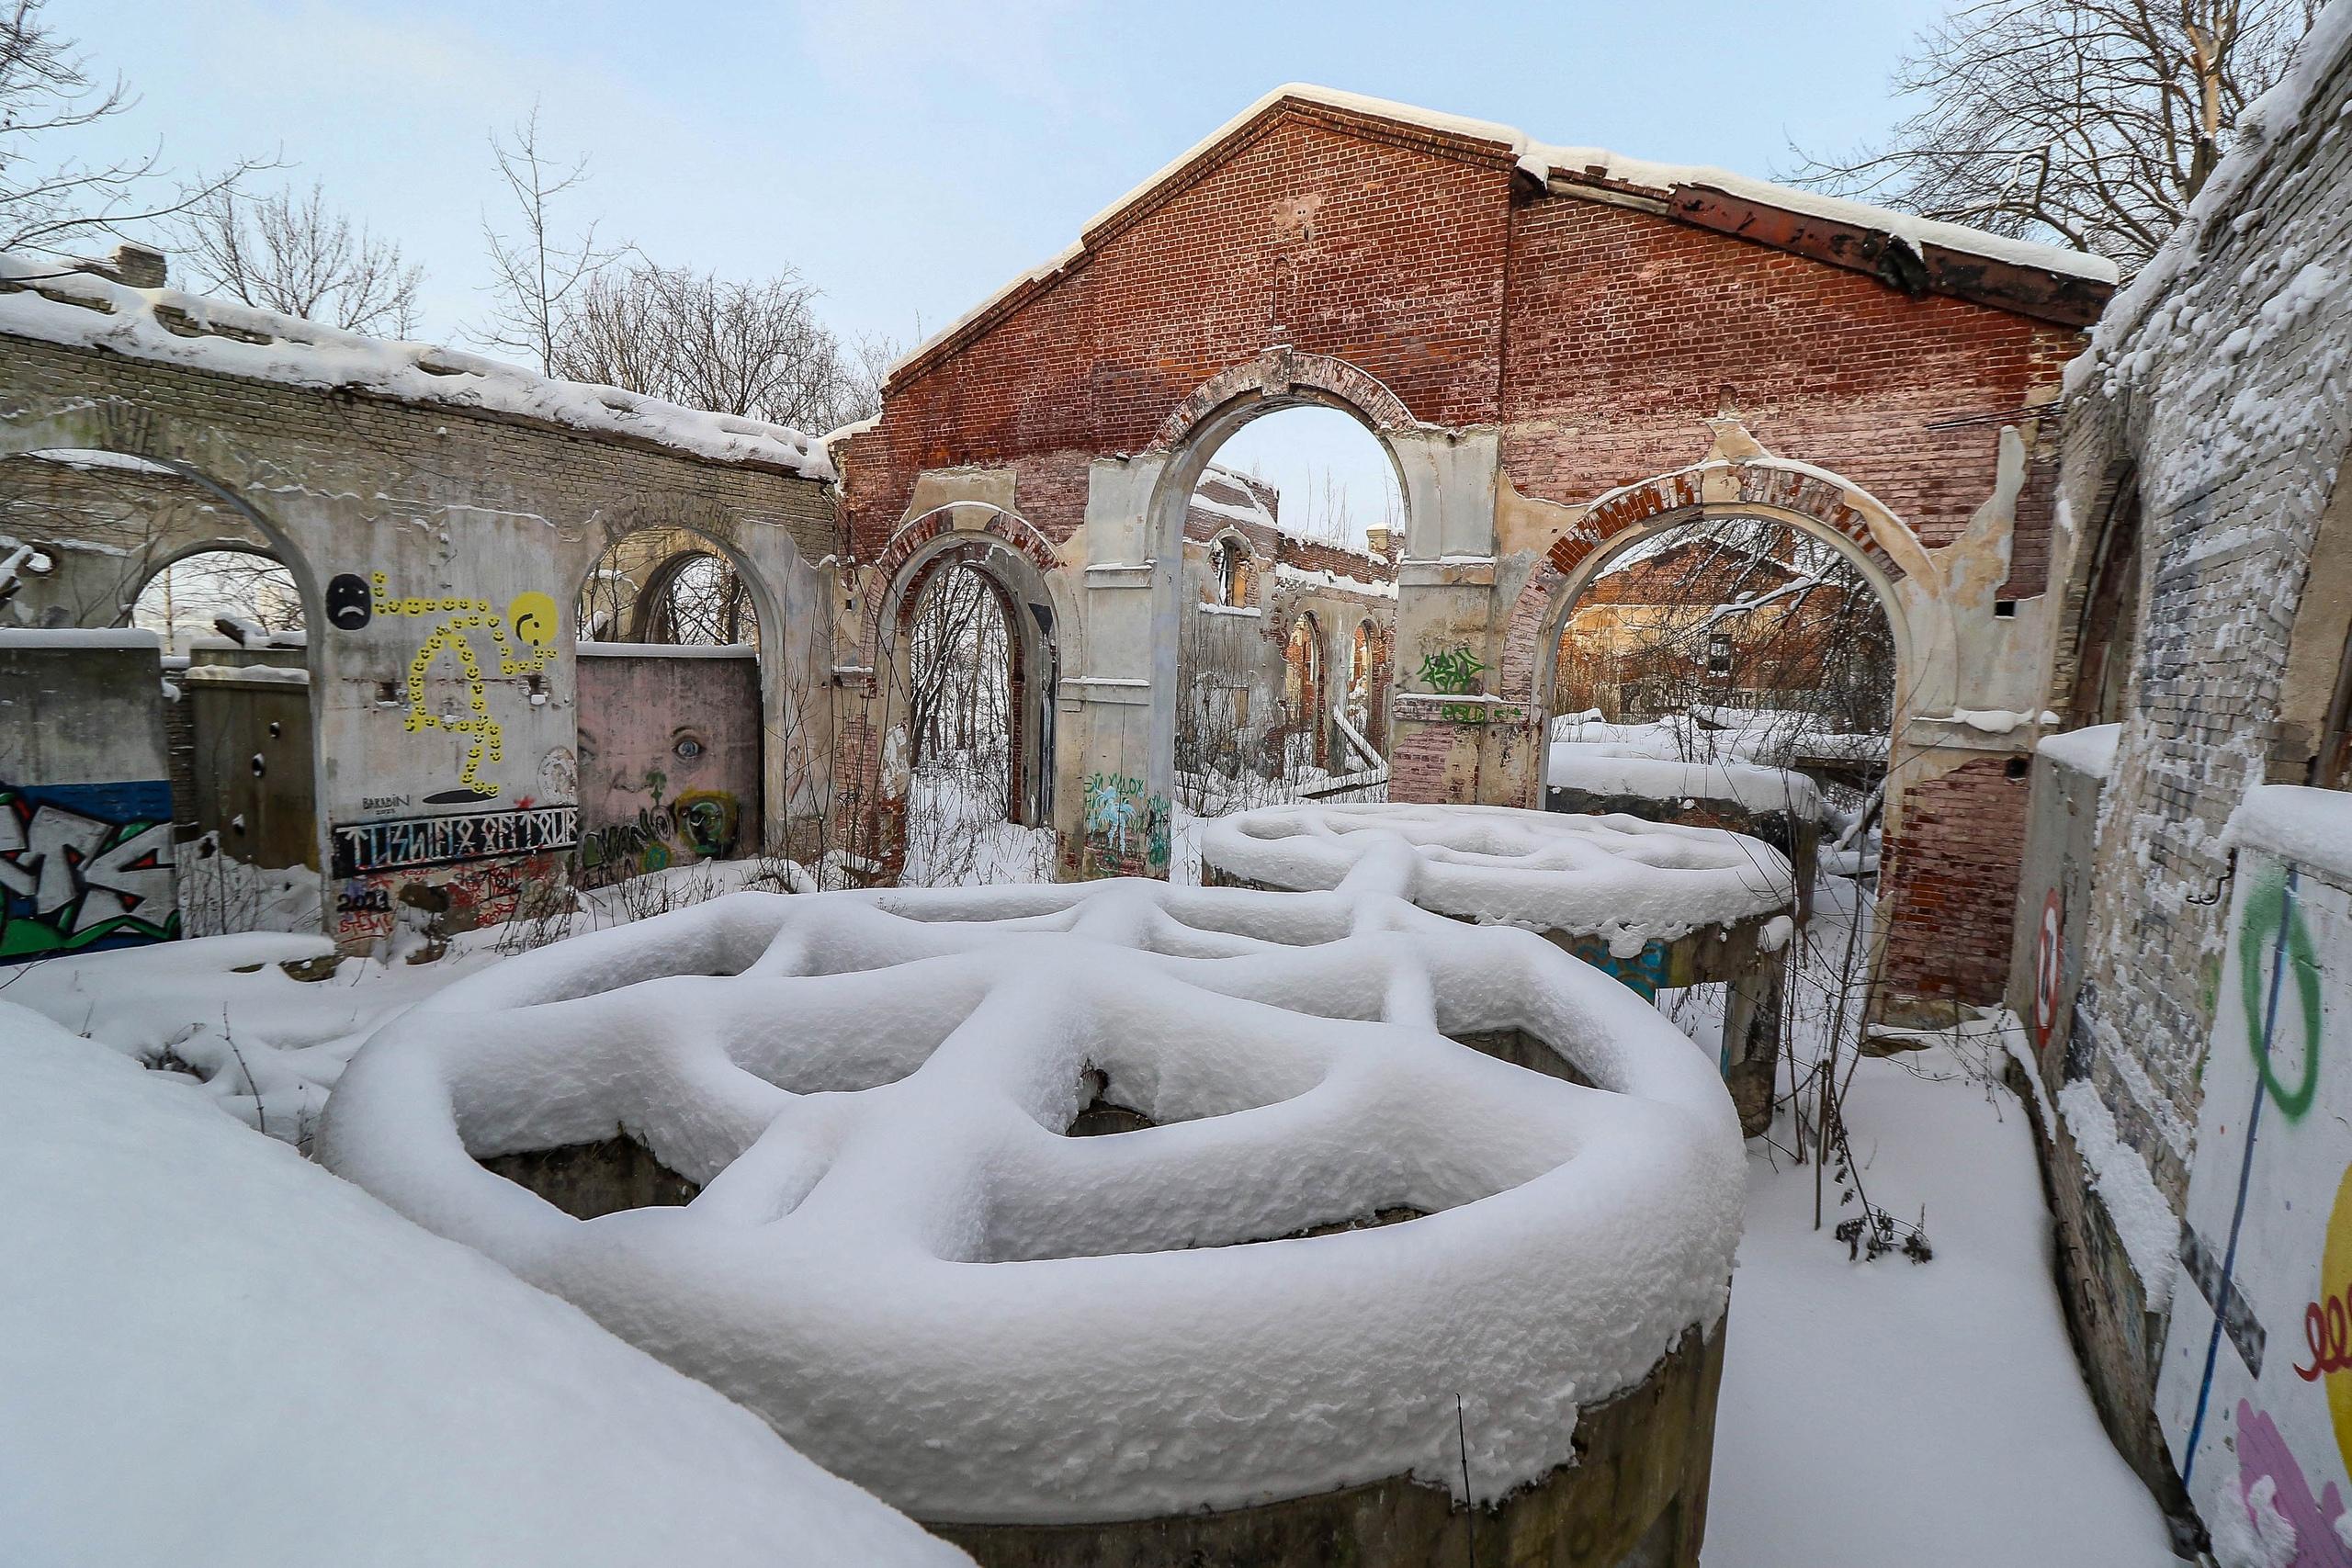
1563, 351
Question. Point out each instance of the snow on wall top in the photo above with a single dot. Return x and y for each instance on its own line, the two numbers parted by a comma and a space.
1618, 877
900, 1261
39, 299
330, 1384
1542, 161
2299, 823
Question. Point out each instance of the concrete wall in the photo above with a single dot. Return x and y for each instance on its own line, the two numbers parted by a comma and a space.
669, 758
439, 551
86, 799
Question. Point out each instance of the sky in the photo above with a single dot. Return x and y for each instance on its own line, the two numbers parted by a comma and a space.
909, 157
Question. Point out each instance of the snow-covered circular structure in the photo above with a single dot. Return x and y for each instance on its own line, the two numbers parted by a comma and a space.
1619, 878
899, 1257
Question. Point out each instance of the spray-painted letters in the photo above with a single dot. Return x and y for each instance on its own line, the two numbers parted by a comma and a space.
85, 866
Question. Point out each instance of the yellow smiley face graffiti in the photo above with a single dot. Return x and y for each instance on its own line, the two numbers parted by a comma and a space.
532, 616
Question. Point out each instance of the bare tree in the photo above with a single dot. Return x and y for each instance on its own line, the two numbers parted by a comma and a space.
535, 275
292, 253
2094, 122
50, 198
754, 349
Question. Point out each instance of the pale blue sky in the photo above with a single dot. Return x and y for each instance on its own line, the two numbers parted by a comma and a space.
911, 156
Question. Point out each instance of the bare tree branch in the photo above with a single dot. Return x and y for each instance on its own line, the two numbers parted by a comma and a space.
50, 199
2092, 122
293, 254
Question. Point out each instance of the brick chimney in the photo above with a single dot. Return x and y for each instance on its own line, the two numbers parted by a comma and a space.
139, 266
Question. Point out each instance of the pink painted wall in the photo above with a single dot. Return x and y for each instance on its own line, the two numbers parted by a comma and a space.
669, 761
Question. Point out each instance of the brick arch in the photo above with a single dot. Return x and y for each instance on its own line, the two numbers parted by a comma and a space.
1809, 499
1285, 375
888, 575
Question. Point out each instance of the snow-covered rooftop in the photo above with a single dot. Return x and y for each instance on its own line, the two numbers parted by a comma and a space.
216, 1352
873, 1089
40, 298
1542, 161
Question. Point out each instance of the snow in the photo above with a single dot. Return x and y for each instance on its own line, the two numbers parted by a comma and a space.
2146, 1222
1301, 577
281, 674
1619, 877
2296, 823
84, 311
117, 462
1750, 787
1931, 1415
2091, 749
215, 1352
78, 637
871, 1085
1542, 162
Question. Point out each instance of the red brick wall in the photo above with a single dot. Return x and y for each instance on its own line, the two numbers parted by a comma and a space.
1952, 871
1628, 330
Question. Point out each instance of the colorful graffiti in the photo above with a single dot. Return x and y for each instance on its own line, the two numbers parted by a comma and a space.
2255, 1395
1127, 829
85, 866
1643, 972
708, 820
1452, 670
440, 900
533, 621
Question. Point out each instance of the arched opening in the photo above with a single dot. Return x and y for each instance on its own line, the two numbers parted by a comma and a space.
1290, 526
1728, 639
671, 712
243, 594
653, 588
962, 724
103, 539
2104, 632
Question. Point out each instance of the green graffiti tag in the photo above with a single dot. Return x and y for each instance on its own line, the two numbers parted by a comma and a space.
2274, 923
1453, 671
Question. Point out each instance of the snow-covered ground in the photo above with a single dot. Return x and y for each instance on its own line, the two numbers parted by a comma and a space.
1872, 1413
214, 1352
1931, 1415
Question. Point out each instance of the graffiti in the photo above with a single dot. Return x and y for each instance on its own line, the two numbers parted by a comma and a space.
382, 802
2274, 926
362, 847
559, 774
1644, 973
630, 848
350, 605
531, 618
85, 866
1481, 713
707, 820
1127, 831
2276, 1498
1453, 671
447, 900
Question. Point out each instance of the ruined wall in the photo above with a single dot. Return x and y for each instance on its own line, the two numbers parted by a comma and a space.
2194, 1066
439, 551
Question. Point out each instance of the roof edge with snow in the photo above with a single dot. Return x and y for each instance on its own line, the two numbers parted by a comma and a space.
1916, 254
50, 302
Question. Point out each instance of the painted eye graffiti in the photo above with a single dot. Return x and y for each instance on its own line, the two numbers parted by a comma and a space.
688, 748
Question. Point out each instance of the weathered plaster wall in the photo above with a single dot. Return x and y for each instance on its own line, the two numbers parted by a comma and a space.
668, 758
439, 552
